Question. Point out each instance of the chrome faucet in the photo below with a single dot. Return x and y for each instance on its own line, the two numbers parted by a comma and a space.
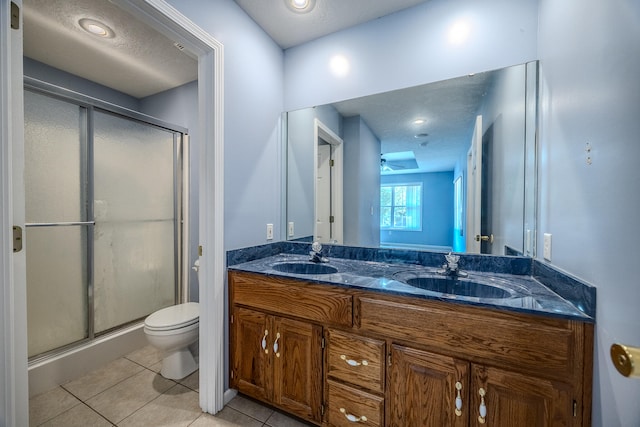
316, 253
451, 267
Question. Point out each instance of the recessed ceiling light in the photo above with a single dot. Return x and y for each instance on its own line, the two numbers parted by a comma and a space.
96, 28
300, 6
418, 121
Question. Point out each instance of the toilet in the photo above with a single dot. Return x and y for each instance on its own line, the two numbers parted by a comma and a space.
172, 330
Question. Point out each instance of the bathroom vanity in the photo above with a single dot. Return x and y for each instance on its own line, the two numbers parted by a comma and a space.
337, 349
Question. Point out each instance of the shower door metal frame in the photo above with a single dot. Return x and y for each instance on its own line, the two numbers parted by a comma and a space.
88, 105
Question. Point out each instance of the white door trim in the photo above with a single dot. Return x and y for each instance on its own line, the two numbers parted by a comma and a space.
474, 188
210, 54
320, 130
14, 401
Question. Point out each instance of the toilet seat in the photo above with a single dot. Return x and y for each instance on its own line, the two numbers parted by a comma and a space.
174, 317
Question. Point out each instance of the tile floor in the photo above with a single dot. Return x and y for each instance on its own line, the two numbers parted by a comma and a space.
131, 392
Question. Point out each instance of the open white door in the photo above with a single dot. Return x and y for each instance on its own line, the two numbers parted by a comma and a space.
474, 189
323, 195
14, 401
328, 221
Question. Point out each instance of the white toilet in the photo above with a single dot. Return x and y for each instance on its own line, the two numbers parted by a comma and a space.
172, 330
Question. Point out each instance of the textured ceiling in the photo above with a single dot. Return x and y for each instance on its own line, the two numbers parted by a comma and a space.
138, 60
449, 109
289, 28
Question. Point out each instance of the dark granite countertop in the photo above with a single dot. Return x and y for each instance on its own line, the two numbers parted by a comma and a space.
524, 293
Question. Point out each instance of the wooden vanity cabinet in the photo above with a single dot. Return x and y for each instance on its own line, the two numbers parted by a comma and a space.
532, 370
277, 340
278, 360
355, 379
401, 361
424, 388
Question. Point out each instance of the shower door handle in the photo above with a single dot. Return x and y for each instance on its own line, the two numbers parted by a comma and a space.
58, 224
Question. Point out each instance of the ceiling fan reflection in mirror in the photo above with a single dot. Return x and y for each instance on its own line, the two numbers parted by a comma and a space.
397, 162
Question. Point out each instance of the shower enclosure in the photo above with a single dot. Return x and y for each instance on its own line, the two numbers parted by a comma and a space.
104, 217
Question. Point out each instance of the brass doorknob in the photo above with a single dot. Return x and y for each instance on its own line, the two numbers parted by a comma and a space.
488, 238
626, 359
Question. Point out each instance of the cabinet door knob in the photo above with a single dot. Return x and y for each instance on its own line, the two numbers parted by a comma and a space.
275, 345
352, 418
482, 418
458, 410
263, 344
352, 362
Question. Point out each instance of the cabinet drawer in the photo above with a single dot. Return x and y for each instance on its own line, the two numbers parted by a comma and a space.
348, 406
357, 360
320, 303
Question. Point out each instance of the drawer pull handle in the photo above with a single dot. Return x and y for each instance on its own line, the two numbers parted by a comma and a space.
482, 418
352, 362
264, 342
275, 345
352, 418
458, 410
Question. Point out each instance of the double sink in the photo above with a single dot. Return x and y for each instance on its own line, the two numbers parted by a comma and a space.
427, 280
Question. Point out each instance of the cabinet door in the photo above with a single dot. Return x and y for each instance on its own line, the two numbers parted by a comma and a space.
251, 362
297, 359
422, 389
513, 399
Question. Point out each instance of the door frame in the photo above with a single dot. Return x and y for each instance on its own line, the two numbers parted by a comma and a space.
210, 53
320, 130
474, 188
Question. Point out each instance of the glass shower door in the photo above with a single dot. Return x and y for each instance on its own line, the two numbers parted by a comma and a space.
134, 208
103, 213
56, 216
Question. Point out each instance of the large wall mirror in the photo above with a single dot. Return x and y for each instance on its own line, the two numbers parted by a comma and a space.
447, 166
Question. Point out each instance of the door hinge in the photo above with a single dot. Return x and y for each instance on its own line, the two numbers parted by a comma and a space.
389, 359
322, 343
575, 408
200, 250
15, 16
322, 410
232, 319
17, 239
331, 219
332, 163
232, 374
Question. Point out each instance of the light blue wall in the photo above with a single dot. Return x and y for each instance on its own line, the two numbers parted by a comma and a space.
45, 73
590, 93
361, 184
300, 164
253, 87
411, 47
437, 210
180, 106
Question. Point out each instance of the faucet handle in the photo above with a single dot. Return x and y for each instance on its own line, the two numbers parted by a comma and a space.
316, 247
452, 259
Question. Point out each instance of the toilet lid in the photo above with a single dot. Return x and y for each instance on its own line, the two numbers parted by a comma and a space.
174, 317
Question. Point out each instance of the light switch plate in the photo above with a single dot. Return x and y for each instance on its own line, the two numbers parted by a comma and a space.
291, 229
547, 247
269, 231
